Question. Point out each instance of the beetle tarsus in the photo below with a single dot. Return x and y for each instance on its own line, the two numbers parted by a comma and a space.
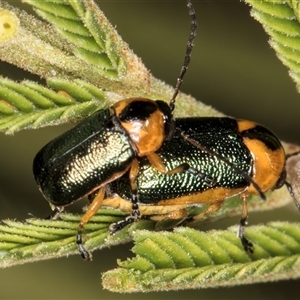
247, 245
116, 227
83, 252
135, 216
56, 213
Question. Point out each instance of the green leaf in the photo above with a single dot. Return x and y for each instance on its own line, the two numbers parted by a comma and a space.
80, 55
88, 30
280, 20
89, 58
187, 258
37, 239
30, 105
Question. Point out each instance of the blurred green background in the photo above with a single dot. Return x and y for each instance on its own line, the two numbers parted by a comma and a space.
233, 69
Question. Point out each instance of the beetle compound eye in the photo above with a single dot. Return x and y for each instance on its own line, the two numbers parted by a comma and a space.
169, 122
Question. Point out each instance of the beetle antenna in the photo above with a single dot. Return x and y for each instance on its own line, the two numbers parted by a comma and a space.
288, 185
188, 52
216, 154
288, 156
291, 191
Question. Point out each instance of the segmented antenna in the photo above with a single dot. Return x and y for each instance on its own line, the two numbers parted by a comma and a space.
188, 52
183, 70
288, 185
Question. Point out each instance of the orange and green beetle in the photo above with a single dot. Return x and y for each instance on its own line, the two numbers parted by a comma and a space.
138, 158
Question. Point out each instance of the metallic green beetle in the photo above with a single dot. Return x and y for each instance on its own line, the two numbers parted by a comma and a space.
137, 157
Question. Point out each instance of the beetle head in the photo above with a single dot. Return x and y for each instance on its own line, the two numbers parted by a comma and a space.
147, 122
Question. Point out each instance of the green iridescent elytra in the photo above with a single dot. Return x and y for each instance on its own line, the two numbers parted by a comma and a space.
82, 159
220, 135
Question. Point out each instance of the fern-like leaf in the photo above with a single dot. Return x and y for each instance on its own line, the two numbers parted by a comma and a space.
188, 259
80, 55
81, 49
30, 105
36, 239
90, 32
280, 20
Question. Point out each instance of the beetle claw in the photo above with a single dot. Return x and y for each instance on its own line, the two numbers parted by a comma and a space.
56, 213
247, 245
86, 255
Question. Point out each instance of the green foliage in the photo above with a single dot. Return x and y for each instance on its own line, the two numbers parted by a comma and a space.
81, 56
30, 105
280, 19
84, 64
37, 239
188, 259
83, 26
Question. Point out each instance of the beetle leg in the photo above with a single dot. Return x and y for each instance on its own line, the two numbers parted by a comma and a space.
248, 246
209, 210
177, 214
92, 196
56, 213
92, 209
158, 164
169, 220
135, 213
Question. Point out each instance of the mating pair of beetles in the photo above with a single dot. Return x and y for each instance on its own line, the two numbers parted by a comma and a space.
135, 156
